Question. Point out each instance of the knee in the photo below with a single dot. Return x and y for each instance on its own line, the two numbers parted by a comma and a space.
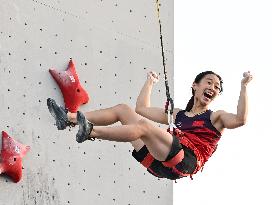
123, 107
145, 128
143, 125
122, 111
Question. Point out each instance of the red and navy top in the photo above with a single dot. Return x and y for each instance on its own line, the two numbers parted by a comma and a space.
198, 134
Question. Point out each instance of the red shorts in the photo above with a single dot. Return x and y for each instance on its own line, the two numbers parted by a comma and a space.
180, 162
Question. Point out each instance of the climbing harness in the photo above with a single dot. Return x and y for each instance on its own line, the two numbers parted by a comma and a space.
169, 100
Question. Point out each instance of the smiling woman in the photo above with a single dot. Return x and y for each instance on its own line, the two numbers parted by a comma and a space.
165, 155
215, 86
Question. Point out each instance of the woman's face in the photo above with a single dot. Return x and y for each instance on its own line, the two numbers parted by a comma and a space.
207, 89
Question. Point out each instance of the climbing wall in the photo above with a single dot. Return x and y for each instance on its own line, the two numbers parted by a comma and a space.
113, 44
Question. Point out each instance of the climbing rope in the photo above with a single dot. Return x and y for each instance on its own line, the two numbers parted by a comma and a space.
169, 100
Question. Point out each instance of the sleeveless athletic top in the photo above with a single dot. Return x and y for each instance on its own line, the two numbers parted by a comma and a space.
199, 131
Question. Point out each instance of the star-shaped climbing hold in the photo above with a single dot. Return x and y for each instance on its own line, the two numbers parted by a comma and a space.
11, 157
73, 93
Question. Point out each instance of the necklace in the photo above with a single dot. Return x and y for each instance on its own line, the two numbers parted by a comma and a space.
197, 113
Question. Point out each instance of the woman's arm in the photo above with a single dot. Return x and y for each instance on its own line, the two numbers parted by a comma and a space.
143, 102
230, 120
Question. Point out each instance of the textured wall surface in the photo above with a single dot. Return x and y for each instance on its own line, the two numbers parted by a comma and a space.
113, 44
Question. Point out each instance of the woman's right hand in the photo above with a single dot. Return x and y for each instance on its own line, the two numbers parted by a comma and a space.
153, 76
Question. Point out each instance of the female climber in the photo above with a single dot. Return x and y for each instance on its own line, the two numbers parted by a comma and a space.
165, 155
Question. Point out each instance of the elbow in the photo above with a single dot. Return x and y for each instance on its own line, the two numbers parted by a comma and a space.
141, 110
138, 110
138, 106
241, 122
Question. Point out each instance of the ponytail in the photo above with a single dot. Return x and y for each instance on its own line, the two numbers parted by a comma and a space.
190, 104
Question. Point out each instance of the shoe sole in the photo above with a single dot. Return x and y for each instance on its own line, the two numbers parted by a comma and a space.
53, 109
50, 107
83, 132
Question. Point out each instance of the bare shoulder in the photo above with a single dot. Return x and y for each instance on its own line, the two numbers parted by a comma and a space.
216, 114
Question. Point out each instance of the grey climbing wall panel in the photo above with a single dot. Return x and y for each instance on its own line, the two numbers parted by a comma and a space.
113, 44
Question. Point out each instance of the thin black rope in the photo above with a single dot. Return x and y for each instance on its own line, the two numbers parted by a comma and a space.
168, 95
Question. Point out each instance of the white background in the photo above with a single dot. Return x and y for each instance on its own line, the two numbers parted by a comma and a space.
228, 37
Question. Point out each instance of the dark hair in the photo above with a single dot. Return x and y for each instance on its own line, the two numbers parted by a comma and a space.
198, 78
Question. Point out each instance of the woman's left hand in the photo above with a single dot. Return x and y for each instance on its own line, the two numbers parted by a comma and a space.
247, 77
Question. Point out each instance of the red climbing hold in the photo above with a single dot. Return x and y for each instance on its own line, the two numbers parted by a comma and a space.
73, 93
11, 157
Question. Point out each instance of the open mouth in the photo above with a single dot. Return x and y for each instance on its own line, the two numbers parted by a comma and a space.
208, 95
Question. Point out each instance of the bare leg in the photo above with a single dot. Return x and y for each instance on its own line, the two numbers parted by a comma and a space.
157, 140
134, 129
108, 116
